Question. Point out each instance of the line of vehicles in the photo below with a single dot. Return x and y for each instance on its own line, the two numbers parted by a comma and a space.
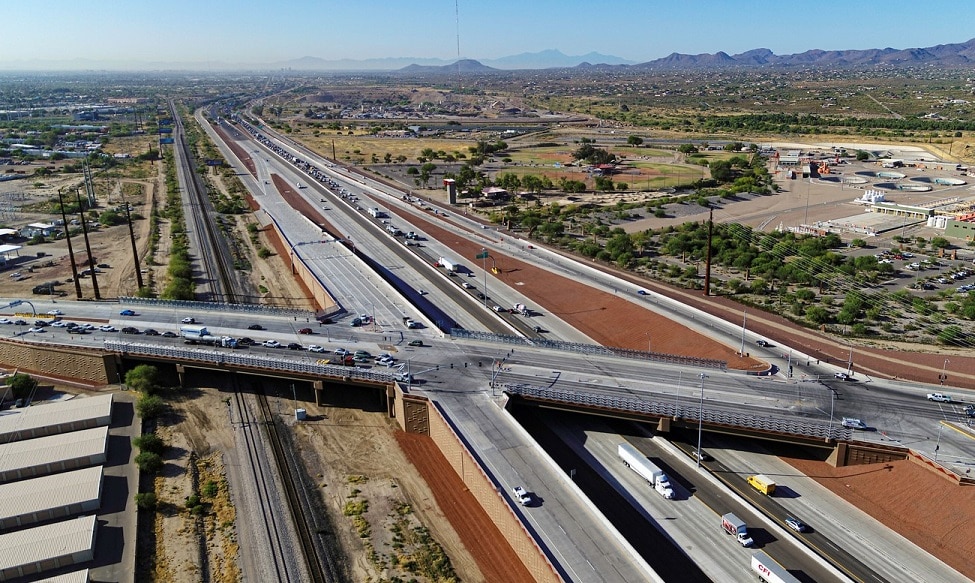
762, 564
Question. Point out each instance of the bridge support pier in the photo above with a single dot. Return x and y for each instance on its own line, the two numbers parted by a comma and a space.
663, 425
319, 386
181, 375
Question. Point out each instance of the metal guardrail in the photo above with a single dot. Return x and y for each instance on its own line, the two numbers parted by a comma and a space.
816, 429
277, 363
595, 349
221, 306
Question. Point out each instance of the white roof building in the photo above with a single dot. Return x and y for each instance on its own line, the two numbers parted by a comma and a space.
49, 498
55, 453
52, 546
41, 420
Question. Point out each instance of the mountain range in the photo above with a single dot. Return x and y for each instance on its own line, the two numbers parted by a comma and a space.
947, 55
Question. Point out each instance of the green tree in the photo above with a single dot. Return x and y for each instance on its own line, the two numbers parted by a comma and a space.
150, 406
634, 141
150, 442
145, 500
149, 462
143, 378
687, 149
862, 156
22, 385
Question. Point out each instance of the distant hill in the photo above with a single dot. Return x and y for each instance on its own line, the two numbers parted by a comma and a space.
950, 55
462, 66
551, 59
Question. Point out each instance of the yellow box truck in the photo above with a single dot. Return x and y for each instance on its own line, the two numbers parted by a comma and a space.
762, 483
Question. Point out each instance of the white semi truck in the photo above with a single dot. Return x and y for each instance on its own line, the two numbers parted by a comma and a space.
769, 571
450, 265
633, 459
200, 335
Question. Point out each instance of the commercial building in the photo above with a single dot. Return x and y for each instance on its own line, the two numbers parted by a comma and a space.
31, 458
44, 548
40, 420
50, 498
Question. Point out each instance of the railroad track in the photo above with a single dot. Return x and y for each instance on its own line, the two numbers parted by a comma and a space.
319, 571
258, 468
213, 252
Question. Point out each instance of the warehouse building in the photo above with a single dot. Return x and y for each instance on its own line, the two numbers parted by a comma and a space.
55, 453
43, 548
62, 417
52, 497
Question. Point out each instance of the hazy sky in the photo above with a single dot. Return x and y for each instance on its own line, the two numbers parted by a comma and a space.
254, 31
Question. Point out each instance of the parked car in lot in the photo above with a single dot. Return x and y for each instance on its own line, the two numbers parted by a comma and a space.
60, 324
841, 376
130, 330
271, 344
341, 351
939, 397
316, 348
55, 312
168, 334
35, 329
150, 332
127, 313
6, 321
294, 346
20, 322
415, 343
108, 328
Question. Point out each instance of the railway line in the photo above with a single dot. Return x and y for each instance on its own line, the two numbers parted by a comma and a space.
213, 253
321, 568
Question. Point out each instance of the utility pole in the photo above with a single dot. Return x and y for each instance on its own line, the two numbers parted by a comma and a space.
91, 260
135, 251
67, 236
707, 262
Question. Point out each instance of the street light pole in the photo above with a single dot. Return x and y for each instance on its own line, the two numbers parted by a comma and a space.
944, 372
700, 421
648, 342
744, 319
677, 404
832, 400
938, 446
484, 255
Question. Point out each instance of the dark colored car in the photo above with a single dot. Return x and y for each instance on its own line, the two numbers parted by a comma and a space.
168, 334
130, 330
41, 324
416, 343
245, 341
150, 332
295, 346
127, 313
761, 343
304, 331
255, 327
20, 323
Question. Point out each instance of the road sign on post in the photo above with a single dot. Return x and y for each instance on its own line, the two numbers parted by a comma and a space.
481, 255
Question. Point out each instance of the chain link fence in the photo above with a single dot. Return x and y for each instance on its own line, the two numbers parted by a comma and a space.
594, 349
807, 428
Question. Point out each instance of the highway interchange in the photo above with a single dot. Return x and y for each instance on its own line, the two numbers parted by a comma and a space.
571, 529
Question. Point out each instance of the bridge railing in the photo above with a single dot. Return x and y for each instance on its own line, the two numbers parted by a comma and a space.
217, 357
195, 306
804, 427
593, 349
